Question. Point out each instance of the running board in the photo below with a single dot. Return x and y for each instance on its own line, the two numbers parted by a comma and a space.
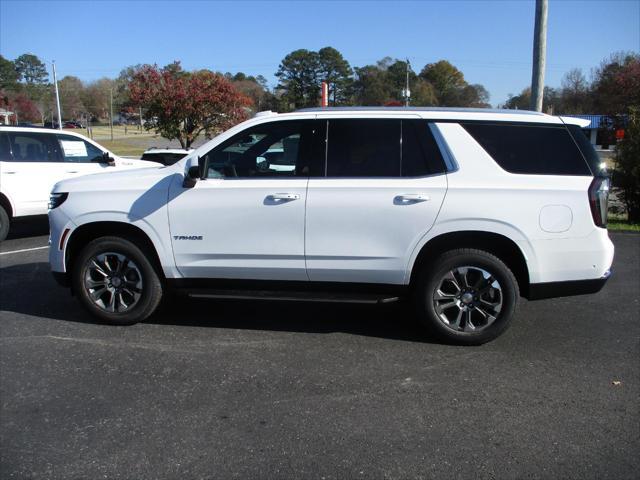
337, 297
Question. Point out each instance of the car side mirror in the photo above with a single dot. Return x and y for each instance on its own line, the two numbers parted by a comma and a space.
105, 159
195, 173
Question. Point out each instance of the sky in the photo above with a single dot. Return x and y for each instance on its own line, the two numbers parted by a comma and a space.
489, 41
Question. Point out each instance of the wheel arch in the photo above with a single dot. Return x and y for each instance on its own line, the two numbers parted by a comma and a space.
495, 243
87, 232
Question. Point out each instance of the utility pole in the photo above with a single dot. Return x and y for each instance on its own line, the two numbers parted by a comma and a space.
111, 112
55, 82
539, 55
140, 118
407, 92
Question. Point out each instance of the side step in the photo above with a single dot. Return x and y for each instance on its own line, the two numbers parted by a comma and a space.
310, 296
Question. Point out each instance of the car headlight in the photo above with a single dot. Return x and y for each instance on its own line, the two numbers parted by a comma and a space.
57, 199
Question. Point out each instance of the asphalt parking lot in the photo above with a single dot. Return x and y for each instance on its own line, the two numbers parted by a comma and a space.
230, 389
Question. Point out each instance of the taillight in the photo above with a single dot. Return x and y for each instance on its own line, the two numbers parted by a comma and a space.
599, 200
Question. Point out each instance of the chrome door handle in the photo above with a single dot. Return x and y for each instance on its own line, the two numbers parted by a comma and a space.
72, 171
412, 197
284, 196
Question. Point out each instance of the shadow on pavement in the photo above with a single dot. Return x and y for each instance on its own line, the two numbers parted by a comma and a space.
392, 321
24, 227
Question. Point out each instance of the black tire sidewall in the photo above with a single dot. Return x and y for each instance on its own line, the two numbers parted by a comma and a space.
151, 287
4, 223
430, 281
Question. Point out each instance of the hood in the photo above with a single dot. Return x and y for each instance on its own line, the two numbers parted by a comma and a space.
128, 179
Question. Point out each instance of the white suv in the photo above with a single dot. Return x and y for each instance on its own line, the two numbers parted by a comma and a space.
462, 211
32, 160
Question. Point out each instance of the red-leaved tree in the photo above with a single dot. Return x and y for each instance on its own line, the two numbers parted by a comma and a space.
20, 104
182, 105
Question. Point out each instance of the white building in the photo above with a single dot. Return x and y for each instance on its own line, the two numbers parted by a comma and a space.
5, 116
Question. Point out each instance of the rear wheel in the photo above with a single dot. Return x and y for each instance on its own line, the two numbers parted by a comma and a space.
4, 223
116, 282
466, 296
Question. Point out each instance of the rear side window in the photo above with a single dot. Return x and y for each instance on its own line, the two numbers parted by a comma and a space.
420, 153
363, 148
530, 149
34, 147
589, 153
382, 148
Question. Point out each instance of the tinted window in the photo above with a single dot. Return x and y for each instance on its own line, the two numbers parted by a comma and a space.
276, 149
76, 150
420, 153
541, 150
5, 151
589, 153
34, 147
363, 148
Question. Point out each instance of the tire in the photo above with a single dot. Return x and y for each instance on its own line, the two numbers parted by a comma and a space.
4, 223
466, 296
116, 282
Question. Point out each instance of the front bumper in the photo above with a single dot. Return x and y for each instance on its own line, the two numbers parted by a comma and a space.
540, 291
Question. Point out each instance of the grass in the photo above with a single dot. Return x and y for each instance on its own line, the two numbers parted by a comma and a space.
103, 132
621, 223
123, 148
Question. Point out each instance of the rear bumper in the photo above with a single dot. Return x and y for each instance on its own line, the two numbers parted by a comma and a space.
540, 291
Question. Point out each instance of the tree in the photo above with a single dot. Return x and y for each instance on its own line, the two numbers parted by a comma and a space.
551, 102
96, 98
8, 75
31, 70
422, 93
336, 71
616, 84
33, 73
121, 94
298, 74
370, 86
626, 175
575, 92
25, 108
183, 105
260, 97
445, 78
450, 87
71, 92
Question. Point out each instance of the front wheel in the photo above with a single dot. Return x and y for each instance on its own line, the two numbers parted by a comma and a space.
116, 282
466, 296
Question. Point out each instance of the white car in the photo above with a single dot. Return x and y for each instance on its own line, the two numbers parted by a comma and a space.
462, 211
32, 160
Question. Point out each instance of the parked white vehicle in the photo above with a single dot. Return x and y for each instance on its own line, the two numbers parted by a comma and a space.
32, 160
463, 211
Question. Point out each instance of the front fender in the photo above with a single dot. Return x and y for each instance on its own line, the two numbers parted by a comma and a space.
159, 239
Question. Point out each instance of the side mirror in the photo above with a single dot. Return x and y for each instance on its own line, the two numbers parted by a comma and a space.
106, 159
195, 173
